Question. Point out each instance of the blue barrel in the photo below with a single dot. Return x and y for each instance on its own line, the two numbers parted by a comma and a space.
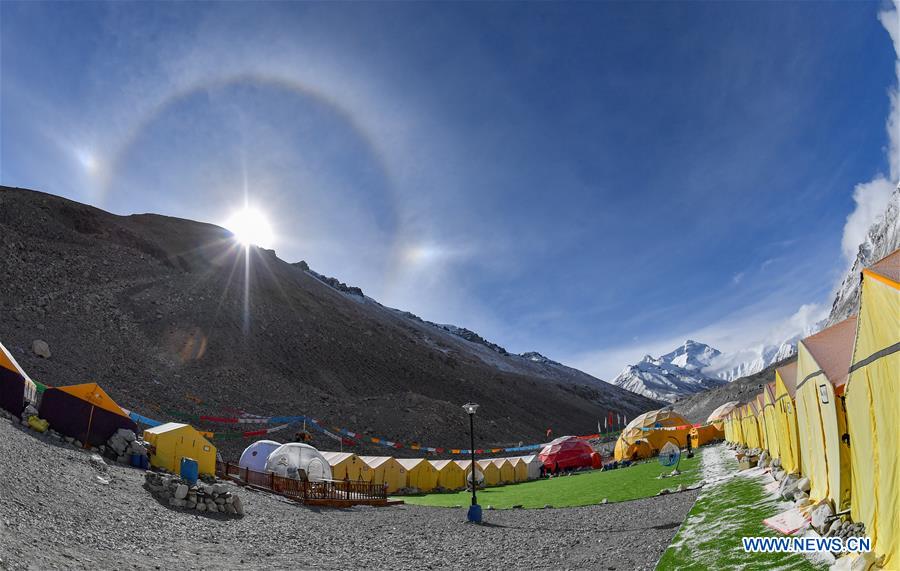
136, 460
145, 462
190, 470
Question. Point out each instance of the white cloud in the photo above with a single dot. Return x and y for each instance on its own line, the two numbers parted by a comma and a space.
871, 200
871, 197
737, 278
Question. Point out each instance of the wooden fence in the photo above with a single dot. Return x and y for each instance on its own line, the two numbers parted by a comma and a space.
337, 493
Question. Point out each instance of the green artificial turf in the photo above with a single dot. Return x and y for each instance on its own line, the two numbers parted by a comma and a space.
710, 537
582, 489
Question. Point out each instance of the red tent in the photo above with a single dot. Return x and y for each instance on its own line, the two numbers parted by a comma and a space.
566, 452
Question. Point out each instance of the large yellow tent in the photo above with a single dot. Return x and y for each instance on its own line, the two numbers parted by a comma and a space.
173, 441
772, 444
450, 475
491, 472
786, 417
650, 428
348, 466
520, 467
386, 470
466, 467
737, 426
873, 410
420, 474
507, 471
823, 361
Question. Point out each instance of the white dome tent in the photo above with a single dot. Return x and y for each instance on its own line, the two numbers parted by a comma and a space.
289, 459
254, 456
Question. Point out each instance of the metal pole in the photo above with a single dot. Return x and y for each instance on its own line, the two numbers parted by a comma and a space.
472, 450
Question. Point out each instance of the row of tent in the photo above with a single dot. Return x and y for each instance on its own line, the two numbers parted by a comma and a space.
645, 436
833, 415
396, 473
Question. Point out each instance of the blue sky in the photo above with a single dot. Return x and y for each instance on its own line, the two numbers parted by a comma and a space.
592, 181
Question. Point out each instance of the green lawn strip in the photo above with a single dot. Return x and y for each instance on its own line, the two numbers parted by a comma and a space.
582, 489
710, 537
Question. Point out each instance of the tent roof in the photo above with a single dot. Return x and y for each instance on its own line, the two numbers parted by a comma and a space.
832, 348
375, 461
485, 463
7, 361
335, 458
167, 427
92, 393
499, 462
788, 374
663, 416
410, 463
722, 411
441, 464
531, 458
888, 266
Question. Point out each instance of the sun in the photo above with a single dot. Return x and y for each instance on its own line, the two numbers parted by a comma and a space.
250, 226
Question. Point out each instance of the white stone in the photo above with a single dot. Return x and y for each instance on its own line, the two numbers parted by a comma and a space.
181, 491
803, 484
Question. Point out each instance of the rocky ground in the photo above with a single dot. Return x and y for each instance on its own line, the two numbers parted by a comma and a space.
60, 511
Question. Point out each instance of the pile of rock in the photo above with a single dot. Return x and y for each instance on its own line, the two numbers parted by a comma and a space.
203, 497
125, 443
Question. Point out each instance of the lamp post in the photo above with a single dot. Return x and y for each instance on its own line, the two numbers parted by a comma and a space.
474, 509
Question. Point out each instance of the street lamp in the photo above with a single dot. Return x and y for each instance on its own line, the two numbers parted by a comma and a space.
474, 509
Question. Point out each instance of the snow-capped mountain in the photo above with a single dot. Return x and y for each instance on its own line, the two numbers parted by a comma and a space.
882, 238
672, 375
754, 359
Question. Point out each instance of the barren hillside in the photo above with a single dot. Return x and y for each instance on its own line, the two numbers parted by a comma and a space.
154, 309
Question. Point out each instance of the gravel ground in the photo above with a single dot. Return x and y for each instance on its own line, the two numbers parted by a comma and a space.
55, 513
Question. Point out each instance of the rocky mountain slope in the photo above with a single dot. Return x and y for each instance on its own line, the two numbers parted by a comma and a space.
882, 238
671, 375
154, 309
697, 407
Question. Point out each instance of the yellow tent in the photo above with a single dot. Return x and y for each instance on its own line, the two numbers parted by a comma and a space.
650, 428
786, 418
760, 411
751, 429
507, 471
491, 472
450, 475
873, 410
173, 441
771, 423
466, 466
386, 470
348, 466
420, 474
720, 414
823, 361
705, 434
520, 467
738, 424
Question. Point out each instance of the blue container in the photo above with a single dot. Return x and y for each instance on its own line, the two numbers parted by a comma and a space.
190, 470
136, 460
145, 462
474, 514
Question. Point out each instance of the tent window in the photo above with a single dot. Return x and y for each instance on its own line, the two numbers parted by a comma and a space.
823, 394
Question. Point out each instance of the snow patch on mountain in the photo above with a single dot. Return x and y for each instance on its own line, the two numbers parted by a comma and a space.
672, 375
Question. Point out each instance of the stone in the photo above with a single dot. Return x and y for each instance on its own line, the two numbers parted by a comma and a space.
97, 462
229, 500
230, 509
821, 516
41, 348
181, 491
201, 507
788, 487
192, 505
604, 501
238, 505
803, 484
835, 526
